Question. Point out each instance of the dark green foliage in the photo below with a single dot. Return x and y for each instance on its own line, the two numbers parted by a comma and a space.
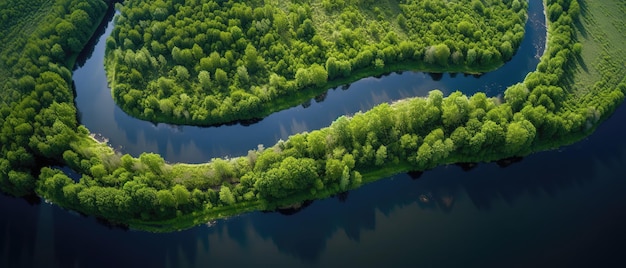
38, 117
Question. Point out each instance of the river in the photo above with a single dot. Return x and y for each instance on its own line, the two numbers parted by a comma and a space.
560, 208
190, 144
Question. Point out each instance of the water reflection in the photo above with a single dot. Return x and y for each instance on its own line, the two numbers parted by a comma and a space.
536, 210
90, 47
16, 231
532, 187
560, 208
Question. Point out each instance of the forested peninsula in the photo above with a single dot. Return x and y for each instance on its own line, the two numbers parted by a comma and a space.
209, 62
579, 82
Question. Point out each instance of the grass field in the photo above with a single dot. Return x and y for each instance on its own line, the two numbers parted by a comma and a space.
602, 32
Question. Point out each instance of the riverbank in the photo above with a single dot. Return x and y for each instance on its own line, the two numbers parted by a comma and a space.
577, 91
146, 193
292, 70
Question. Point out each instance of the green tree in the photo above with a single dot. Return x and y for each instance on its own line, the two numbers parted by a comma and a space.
145, 199
22, 182
472, 55
316, 144
424, 155
466, 28
153, 162
253, 61
506, 49
437, 54
381, 155
334, 169
181, 194
166, 106
166, 199
455, 110
300, 173
519, 137
332, 67
205, 79
516, 96
226, 196
221, 77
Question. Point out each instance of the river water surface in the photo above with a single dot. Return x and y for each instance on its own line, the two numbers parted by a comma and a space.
561, 208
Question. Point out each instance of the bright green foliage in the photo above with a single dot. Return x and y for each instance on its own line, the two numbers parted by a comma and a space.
293, 175
166, 199
181, 194
381, 155
38, 122
519, 136
247, 56
226, 196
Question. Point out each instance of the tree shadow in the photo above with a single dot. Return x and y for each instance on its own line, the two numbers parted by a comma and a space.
584, 11
90, 46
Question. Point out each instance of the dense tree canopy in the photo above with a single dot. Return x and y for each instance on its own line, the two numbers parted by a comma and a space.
38, 118
39, 128
232, 60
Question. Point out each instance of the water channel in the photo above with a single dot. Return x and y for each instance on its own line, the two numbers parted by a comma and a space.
560, 208
190, 144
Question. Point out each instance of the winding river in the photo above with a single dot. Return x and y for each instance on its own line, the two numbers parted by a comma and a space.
191, 144
559, 208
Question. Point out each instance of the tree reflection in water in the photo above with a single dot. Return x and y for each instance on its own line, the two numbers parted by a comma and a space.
577, 189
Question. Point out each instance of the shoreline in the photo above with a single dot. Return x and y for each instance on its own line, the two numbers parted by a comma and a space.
369, 173
390, 170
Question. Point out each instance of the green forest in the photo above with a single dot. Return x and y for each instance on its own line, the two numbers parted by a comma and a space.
40, 40
209, 62
578, 83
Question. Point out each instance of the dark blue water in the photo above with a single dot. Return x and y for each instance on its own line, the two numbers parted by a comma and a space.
197, 144
561, 208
